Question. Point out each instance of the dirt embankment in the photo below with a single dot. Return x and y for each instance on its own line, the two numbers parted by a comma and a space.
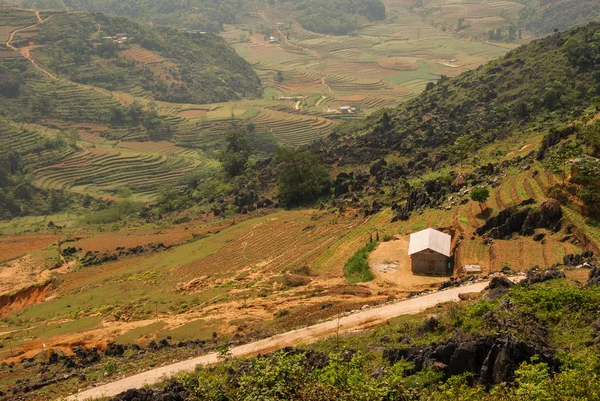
27, 296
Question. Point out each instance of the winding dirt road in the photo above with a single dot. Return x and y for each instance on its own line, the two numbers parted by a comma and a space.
355, 322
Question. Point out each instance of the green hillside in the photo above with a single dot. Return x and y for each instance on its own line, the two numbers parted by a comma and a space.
203, 15
532, 89
164, 63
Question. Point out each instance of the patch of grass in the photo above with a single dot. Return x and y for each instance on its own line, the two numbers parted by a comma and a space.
197, 329
135, 334
357, 269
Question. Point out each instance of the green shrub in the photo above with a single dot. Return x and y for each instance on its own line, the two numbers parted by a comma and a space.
357, 268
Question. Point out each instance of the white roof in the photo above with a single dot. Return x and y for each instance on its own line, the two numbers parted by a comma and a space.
430, 239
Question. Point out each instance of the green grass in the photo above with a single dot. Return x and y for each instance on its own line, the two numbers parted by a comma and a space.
357, 268
197, 329
135, 334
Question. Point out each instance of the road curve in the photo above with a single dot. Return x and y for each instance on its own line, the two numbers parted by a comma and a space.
354, 322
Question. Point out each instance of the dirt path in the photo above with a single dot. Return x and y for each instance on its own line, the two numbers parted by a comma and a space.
355, 322
320, 100
325, 83
27, 54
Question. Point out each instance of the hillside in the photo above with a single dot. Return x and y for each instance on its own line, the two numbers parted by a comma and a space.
249, 241
202, 15
166, 64
531, 89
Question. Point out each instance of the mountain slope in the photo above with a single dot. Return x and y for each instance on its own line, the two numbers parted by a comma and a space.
204, 15
532, 88
116, 53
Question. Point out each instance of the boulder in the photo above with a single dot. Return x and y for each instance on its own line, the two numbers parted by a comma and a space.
173, 391
492, 359
594, 276
534, 275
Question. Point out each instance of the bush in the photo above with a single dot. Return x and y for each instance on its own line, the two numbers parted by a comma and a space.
302, 177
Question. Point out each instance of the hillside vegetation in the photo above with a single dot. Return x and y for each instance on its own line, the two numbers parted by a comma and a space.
337, 17
202, 15
534, 88
167, 64
534, 342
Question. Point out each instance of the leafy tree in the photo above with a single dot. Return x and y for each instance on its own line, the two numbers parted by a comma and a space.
302, 177
480, 195
557, 160
124, 193
230, 212
234, 157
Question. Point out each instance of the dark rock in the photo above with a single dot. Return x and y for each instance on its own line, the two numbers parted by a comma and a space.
491, 359
534, 275
520, 221
539, 237
500, 282
594, 276
429, 326
173, 391
115, 350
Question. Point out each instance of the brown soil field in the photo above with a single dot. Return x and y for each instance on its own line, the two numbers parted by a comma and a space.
141, 55
390, 263
15, 246
351, 98
193, 113
396, 63
108, 242
154, 146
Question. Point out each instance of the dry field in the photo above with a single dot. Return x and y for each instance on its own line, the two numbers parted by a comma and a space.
245, 274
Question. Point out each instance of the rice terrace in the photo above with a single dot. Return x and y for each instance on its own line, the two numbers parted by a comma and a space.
176, 183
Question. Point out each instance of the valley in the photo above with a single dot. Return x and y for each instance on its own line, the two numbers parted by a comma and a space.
170, 192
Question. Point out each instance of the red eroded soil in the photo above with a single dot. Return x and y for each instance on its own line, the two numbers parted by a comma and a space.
28, 296
12, 247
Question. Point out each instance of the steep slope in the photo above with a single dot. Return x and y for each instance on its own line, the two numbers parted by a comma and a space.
116, 53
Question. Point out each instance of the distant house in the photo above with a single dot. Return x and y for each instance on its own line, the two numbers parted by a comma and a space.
273, 39
347, 109
429, 252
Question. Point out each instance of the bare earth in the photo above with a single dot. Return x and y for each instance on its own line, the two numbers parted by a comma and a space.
355, 322
390, 262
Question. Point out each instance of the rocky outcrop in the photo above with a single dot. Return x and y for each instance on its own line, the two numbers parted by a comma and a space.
535, 275
579, 259
491, 359
173, 391
594, 276
522, 220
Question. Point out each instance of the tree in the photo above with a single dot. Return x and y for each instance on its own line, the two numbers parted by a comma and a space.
234, 157
480, 195
302, 177
230, 212
557, 160
464, 145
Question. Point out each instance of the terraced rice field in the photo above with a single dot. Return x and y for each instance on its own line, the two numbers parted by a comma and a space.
141, 55
386, 63
101, 170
